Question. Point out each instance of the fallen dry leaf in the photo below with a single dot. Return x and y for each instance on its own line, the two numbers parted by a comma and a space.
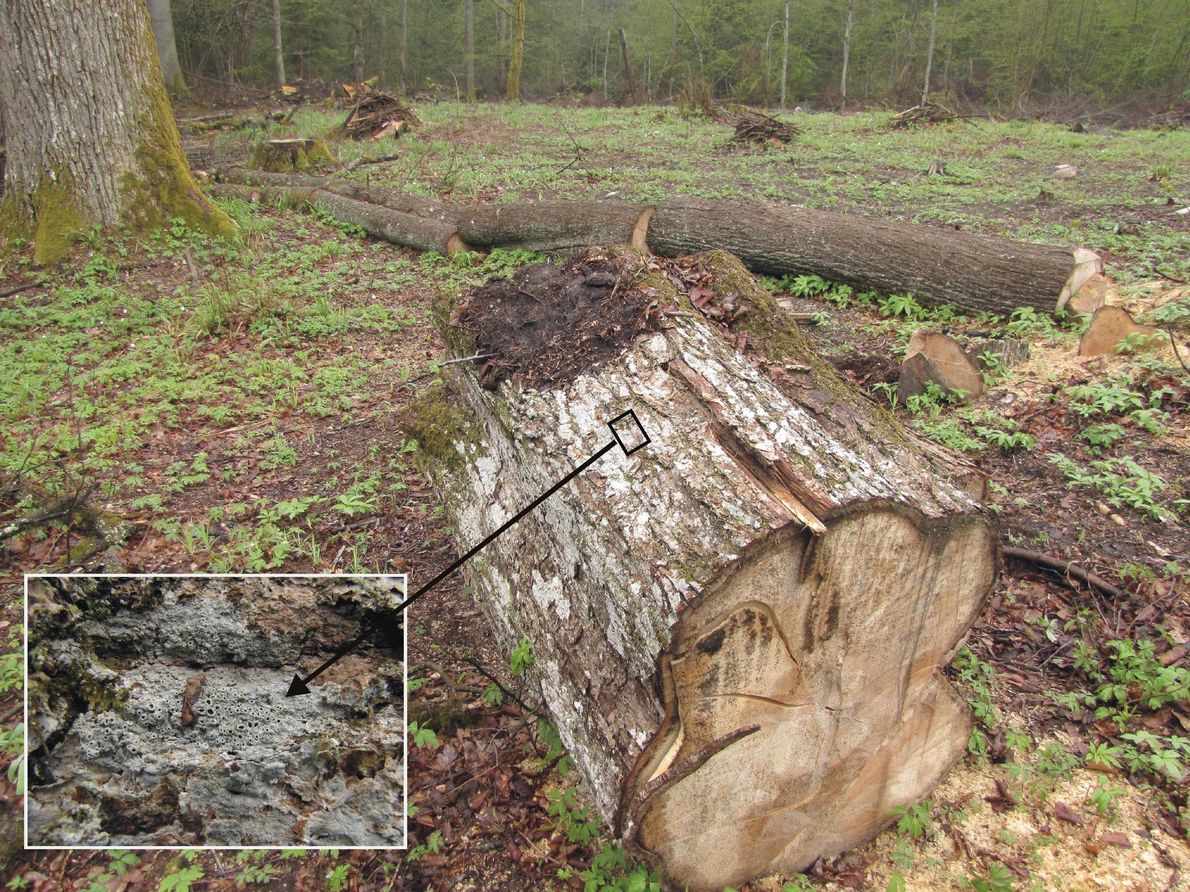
1065, 813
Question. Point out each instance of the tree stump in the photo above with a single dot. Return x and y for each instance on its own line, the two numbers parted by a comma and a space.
738, 629
285, 155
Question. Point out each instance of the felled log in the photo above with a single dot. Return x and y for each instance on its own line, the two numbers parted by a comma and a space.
974, 272
738, 629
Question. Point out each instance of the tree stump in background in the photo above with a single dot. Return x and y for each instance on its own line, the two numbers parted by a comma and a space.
285, 155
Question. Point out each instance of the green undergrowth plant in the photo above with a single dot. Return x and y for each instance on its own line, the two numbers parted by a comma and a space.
979, 679
1122, 481
1122, 681
469, 270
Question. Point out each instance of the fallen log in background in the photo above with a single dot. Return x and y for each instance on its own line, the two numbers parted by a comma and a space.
976, 273
738, 629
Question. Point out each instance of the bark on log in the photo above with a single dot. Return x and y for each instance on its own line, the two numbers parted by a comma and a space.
974, 272
738, 629
937, 266
550, 225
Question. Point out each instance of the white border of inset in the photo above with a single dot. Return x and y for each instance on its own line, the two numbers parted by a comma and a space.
404, 577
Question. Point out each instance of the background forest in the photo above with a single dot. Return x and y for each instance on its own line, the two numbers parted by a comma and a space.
1017, 56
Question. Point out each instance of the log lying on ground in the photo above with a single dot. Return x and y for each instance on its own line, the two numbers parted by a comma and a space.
738, 629
976, 273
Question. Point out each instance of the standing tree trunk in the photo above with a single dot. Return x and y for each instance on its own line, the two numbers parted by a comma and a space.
357, 43
469, 48
847, 48
627, 67
739, 630
925, 89
785, 55
404, 45
91, 136
278, 52
517, 54
162, 18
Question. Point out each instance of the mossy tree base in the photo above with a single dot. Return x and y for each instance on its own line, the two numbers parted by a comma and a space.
91, 142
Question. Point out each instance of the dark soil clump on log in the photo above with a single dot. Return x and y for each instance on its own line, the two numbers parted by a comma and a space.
548, 324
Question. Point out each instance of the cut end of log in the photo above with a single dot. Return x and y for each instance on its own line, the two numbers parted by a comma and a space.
1112, 328
640, 231
1086, 264
456, 245
939, 359
838, 681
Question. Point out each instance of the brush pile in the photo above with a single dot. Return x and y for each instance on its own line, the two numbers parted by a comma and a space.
926, 113
756, 127
377, 115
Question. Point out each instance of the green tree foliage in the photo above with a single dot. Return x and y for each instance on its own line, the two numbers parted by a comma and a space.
1016, 55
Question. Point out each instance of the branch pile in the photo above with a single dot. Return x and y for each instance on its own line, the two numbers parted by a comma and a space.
926, 113
377, 115
752, 126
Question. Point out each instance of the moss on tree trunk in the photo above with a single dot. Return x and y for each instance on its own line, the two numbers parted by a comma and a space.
92, 139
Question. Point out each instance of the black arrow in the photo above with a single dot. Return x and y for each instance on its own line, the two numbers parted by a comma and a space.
301, 686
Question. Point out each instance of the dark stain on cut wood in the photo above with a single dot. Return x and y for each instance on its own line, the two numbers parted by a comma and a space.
710, 644
193, 686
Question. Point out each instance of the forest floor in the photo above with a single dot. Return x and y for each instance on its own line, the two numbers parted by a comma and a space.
227, 406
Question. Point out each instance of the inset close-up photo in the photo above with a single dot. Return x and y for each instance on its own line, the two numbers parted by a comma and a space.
201, 711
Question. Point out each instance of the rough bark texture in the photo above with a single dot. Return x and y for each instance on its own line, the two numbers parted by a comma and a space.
162, 17
516, 53
91, 138
976, 273
278, 50
157, 713
738, 629
469, 48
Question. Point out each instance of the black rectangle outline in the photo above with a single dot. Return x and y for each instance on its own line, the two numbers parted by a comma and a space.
629, 414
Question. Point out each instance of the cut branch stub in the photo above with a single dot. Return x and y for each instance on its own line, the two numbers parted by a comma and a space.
739, 629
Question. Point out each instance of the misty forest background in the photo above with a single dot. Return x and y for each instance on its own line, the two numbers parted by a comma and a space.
1010, 56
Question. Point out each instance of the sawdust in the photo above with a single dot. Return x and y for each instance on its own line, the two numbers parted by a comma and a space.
1055, 854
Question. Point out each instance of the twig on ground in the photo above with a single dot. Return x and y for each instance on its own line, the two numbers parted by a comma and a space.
482, 670
361, 162
474, 356
1177, 353
1067, 568
9, 292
